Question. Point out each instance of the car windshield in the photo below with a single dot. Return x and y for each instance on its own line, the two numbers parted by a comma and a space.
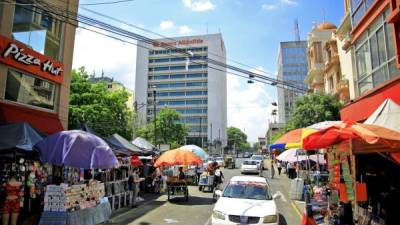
218, 158
257, 158
249, 163
247, 190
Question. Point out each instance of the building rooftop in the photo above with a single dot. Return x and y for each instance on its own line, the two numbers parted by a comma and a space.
327, 26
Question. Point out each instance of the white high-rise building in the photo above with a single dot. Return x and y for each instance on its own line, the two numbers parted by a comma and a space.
190, 85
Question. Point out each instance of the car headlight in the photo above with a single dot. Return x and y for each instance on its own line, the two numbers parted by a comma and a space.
270, 219
218, 215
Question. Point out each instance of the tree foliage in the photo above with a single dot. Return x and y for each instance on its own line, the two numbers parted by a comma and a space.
169, 129
237, 138
314, 108
93, 104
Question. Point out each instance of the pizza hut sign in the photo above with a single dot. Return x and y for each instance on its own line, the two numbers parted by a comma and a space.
17, 55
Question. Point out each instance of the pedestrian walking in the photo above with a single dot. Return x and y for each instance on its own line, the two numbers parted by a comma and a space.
272, 169
279, 166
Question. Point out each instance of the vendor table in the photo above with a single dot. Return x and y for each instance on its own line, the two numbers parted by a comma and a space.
90, 216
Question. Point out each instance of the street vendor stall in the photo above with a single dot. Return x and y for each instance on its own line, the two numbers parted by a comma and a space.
177, 185
72, 201
360, 179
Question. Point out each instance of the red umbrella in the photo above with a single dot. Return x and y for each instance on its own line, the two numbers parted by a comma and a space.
371, 134
178, 157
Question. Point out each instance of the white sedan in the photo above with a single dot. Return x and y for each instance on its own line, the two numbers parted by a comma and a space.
245, 200
220, 161
250, 166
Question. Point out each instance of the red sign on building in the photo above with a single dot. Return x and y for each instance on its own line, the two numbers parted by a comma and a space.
20, 56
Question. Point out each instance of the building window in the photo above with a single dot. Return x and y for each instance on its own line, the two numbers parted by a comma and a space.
27, 89
374, 55
318, 52
37, 29
358, 9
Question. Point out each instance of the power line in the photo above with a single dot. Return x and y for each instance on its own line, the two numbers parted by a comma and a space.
106, 3
169, 38
127, 34
101, 25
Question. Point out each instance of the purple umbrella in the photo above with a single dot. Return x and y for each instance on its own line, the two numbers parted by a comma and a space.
76, 148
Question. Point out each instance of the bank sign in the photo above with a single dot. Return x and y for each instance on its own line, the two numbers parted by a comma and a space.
20, 56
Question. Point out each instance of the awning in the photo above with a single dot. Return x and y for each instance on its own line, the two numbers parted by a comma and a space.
18, 138
365, 105
45, 122
119, 143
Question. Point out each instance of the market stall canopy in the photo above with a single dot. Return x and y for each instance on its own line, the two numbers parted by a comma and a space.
178, 157
324, 124
387, 115
196, 150
143, 144
371, 134
76, 148
292, 139
120, 144
18, 138
294, 155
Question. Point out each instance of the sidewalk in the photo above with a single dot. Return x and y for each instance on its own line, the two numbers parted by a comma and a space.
123, 215
299, 206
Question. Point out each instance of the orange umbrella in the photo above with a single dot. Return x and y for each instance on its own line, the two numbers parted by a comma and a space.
371, 134
178, 157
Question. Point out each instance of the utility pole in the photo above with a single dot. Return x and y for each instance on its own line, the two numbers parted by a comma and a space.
155, 114
211, 139
201, 139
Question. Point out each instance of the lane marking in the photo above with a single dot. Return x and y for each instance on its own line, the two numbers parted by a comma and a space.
296, 209
208, 221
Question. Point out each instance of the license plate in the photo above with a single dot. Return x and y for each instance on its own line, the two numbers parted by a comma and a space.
243, 219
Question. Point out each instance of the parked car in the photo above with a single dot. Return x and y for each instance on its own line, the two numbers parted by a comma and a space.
259, 159
246, 155
220, 161
245, 200
250, 166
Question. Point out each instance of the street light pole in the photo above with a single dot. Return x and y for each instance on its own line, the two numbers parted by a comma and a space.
155, 114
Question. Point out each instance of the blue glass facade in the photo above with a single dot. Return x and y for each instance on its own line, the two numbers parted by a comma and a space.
293, 68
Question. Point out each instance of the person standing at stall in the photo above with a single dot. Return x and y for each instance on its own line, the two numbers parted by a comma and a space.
279, 166
12, 203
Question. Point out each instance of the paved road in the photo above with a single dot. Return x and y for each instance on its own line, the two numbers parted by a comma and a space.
198, 210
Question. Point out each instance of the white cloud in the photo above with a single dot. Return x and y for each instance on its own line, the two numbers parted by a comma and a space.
199, 5
269, 7
184, 29
289, 2
249, 106
97, 53
166, 24
277, 4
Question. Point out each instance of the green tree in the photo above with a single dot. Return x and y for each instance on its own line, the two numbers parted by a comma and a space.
314, 108
256, 146
169, 129
237, 138
93, 104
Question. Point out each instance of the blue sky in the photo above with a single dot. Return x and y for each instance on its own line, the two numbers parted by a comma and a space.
252, 30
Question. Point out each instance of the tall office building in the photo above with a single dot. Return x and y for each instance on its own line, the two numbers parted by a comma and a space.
189, 85
292, 67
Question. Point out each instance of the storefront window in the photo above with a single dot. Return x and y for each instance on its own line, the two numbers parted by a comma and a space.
30, 90
37, 29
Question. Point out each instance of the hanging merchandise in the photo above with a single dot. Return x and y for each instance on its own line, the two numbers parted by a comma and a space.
348, 181
361, 192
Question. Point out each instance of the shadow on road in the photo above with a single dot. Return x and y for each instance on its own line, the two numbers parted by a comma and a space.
144, 223
135, 213
193, 200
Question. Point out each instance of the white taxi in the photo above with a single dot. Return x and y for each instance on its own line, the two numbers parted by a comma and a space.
245, 200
